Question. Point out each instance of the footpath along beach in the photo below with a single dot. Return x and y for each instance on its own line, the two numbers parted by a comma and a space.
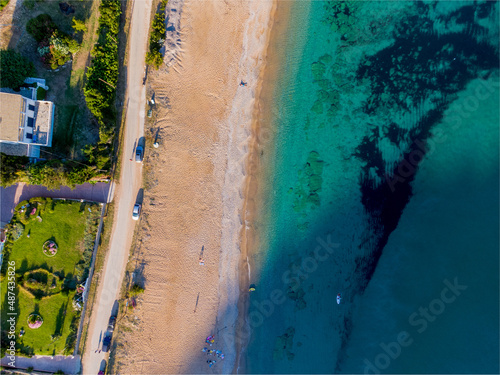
195, 191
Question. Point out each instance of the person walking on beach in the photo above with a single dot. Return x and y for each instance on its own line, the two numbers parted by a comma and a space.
200, 259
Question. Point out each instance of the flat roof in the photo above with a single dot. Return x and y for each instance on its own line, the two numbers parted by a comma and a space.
17, 149
11, 106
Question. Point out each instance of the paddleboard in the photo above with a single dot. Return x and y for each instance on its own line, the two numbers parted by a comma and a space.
338, 299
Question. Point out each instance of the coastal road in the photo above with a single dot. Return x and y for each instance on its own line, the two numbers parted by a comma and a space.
111, 277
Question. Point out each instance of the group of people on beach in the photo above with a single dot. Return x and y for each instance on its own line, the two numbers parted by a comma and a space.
211, 362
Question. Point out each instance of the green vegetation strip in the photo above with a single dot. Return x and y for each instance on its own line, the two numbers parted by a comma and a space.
49, 287
102, 78
50, 173
157, 37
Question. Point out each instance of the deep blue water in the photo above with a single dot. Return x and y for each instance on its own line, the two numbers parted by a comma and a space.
382, 185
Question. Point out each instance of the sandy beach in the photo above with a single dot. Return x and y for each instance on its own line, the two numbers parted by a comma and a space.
195, 189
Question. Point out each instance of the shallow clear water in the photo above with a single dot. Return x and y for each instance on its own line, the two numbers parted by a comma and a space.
349, 208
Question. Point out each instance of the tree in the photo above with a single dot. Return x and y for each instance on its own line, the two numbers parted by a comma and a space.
11, 167
3, 3
15, 68
41, 27
136, 290
79, 25
154, 58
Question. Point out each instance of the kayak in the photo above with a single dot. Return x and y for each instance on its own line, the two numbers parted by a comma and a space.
338, 299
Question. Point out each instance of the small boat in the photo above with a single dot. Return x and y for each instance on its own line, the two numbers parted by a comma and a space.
339, 297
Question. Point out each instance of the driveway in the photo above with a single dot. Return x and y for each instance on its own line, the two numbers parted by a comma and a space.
111, 277
12, 195
68, 364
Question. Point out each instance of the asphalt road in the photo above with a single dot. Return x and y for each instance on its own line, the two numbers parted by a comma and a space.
126, 192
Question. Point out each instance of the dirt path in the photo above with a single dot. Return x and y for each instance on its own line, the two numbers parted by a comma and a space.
110, 279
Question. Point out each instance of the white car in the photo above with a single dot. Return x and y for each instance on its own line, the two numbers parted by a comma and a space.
136, 211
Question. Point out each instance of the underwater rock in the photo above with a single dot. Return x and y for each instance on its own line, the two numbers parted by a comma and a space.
317, 107
298, 297
309, 184
315, 163
318, 70
326, 59
315, 183
313, 199
284, 344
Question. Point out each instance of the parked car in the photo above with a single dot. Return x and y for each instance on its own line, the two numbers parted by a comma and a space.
139, 154
111, 324
106, 343
136, 211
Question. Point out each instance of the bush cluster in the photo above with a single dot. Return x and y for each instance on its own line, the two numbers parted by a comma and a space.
136, 290
51, 173
102, 77
157, 37
41, 93
15, 68
3, 4
54, 47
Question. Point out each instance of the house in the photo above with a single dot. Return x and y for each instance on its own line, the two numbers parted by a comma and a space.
25, 125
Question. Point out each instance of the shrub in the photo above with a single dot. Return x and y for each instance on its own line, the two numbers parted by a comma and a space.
41, 27
79, 25
3, 4
41, 93
154, 58
15, 68
102, 78
35, 321
17, 230
11, 167
136, 290
157, 37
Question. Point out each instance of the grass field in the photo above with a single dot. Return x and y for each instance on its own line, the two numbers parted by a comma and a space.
47, 285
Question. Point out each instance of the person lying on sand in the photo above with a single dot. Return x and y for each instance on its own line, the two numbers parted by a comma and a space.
243, 83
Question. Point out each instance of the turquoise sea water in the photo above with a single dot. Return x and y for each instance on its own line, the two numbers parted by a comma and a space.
381, 185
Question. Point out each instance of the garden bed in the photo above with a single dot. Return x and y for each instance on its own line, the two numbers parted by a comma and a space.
47, 285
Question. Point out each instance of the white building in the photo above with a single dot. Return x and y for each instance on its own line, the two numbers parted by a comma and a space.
25, 125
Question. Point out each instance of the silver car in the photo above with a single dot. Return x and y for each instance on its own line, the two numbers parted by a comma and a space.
136, 211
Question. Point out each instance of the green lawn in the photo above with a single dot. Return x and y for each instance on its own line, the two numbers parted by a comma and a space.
49, 291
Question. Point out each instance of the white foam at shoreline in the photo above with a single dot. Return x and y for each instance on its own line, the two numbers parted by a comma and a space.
239, 121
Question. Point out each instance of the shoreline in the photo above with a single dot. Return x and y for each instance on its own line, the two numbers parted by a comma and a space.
261, 139
241, 147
